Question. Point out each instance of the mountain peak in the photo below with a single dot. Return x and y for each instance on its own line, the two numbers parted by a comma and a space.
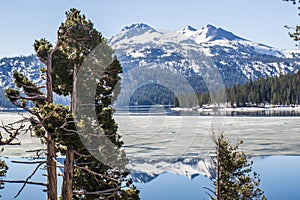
213, 33
131, 31
209, 26
189, 28
137, 26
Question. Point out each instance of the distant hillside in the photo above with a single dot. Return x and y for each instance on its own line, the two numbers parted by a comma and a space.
4, 102
28, 65
282, 90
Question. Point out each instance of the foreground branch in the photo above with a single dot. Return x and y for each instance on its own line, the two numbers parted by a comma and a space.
12, 132
29, 177
84, 192
24, 162
23, 181
97, 174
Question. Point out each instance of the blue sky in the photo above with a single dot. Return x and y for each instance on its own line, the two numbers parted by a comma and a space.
257, 20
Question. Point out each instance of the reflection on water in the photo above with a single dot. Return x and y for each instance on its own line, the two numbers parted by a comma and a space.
280, 179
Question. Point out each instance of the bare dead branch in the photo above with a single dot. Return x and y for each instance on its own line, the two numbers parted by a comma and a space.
29, 177
37, 151
63, 127
97, 174
28, 162
82, 155
12, 133
22, 181
85, 163
71, 132
84, 192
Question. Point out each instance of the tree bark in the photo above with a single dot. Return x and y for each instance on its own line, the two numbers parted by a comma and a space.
49, 86
51, 154
74, 90
67, 187
51, 169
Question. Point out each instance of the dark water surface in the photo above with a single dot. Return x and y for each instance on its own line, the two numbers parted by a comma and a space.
280, 179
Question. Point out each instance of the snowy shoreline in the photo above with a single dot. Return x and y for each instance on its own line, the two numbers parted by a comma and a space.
238, 109
11, 109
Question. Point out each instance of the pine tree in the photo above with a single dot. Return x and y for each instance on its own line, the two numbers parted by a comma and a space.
85, 177
77, 38
233, 178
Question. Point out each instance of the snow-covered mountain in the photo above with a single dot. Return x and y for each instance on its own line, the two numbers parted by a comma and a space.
190, 52
238, 60
30, 67
143, 171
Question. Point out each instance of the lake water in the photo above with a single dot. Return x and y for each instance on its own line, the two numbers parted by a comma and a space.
169, 154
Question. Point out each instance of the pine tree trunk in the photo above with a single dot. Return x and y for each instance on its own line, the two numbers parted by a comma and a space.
51, 155
67, 187
49, 79
51, 169
74, 90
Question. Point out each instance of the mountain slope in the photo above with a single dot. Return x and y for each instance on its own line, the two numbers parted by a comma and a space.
28, 65
238, 60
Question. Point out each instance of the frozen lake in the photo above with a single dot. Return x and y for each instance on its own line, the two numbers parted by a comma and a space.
191, 136
167, 153
159, 136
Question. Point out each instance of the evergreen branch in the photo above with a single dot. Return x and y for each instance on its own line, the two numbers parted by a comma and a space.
84, 39
31, 98
29, 110
34, 98
29, 87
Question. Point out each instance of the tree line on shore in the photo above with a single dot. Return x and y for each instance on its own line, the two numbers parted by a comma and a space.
280, 90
